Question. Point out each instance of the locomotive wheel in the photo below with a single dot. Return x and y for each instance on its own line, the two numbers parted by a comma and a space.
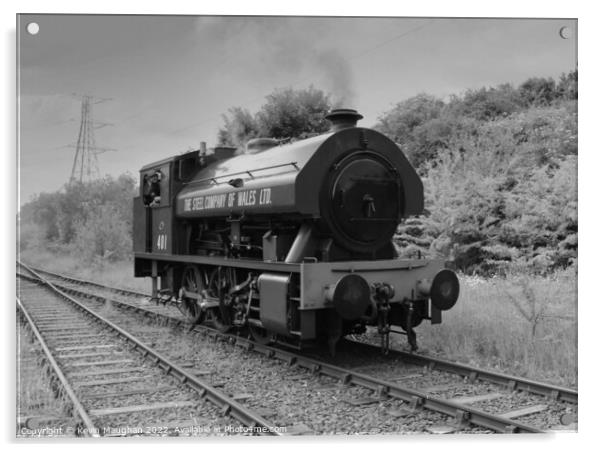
192, 282
261, 335
214, 318
219, 280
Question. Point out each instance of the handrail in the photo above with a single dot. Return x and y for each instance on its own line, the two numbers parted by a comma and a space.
249, 172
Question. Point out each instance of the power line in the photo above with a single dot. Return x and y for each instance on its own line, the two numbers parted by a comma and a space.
394, 38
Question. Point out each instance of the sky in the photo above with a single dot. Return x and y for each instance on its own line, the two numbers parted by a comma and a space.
162, 83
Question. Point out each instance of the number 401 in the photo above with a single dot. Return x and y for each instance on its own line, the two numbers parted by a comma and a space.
162, 242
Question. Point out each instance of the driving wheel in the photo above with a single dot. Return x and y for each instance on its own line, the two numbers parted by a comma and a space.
193, 283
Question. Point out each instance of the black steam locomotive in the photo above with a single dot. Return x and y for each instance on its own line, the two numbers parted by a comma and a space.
290, 242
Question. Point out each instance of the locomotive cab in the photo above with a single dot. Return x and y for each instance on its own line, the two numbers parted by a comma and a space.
155, 230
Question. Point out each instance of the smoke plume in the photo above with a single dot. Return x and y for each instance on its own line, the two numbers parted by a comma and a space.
301, 50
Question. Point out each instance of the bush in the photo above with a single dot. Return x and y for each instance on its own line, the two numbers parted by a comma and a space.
487, 103
31, 236
567, 86
399, 122
103, 236
423, 126
504, 193
75, 215
414, 124
538, 91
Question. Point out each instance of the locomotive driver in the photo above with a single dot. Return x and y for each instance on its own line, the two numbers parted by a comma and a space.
152, 189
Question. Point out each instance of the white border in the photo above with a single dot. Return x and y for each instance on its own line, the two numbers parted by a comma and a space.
589, 205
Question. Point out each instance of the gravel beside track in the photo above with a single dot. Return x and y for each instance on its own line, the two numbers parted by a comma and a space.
309, 402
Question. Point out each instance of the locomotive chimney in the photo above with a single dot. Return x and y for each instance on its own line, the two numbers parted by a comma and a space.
343, 118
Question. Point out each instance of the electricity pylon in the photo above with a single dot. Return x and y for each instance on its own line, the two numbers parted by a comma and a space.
85, 161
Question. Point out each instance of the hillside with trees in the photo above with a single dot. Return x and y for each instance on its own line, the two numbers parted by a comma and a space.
499, 167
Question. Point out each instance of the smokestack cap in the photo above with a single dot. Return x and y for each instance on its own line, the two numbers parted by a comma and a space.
343, 118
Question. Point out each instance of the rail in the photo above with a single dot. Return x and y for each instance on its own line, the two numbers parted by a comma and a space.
90, 429
512, 382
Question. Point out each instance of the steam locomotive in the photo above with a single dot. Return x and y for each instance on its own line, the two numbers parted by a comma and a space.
291, 243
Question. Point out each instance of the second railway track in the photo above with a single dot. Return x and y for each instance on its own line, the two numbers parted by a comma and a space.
454, 401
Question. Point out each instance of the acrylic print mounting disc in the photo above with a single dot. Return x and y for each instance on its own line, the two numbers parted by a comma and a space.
240, 226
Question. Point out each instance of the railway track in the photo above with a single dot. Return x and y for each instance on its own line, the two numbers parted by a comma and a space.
406, 388
111, 379
512, 382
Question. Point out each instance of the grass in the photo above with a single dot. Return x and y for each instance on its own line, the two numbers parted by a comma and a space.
521, 325
64, 260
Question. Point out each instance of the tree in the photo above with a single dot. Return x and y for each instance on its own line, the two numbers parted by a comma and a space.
287, 113
60, 216
486, 104
239, 127
290, 113
567, 86
416, 124
538, 91
399, 122
42, 211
